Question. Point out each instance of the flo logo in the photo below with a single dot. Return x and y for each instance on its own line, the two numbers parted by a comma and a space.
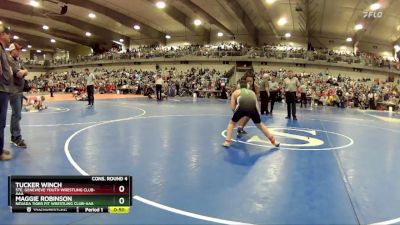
369, 14
296, 138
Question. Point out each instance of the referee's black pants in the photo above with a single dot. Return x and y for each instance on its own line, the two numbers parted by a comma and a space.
158, 91
303, 100
272, 96
90, 93
264, 102
291, 104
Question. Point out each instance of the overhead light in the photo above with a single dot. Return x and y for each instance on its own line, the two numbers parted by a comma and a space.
121, 40
160, 4
24, 49
220, 34
1, 22
45, 27
396, 47
16, 37
92, 15
53, 41
29, 46
269, 2
88, 34
38, 51
375, 6
117, 42
358, 26
288, 35
136, 27
197, 22
34, 3
168, 36
349, 39
282, 21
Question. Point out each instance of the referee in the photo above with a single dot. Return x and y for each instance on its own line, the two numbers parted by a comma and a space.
90, 79
264, 94
274, 87
159, 85
291, 85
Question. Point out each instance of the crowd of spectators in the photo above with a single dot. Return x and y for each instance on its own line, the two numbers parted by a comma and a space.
333, 56
321, 89
182, 83
234, 49
342, 91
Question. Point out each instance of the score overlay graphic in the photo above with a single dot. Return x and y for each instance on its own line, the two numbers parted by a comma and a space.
70, 194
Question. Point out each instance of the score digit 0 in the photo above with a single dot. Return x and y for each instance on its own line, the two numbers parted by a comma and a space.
121, 188
121, 200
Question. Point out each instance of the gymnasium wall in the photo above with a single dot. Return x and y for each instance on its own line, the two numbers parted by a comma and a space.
239, 37
295, 41
184, 40
79, 50
373, 46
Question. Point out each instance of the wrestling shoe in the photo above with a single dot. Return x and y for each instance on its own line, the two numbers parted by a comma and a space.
240, 132
6, 152
226, 144
20, 143
5, 157
274, 142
